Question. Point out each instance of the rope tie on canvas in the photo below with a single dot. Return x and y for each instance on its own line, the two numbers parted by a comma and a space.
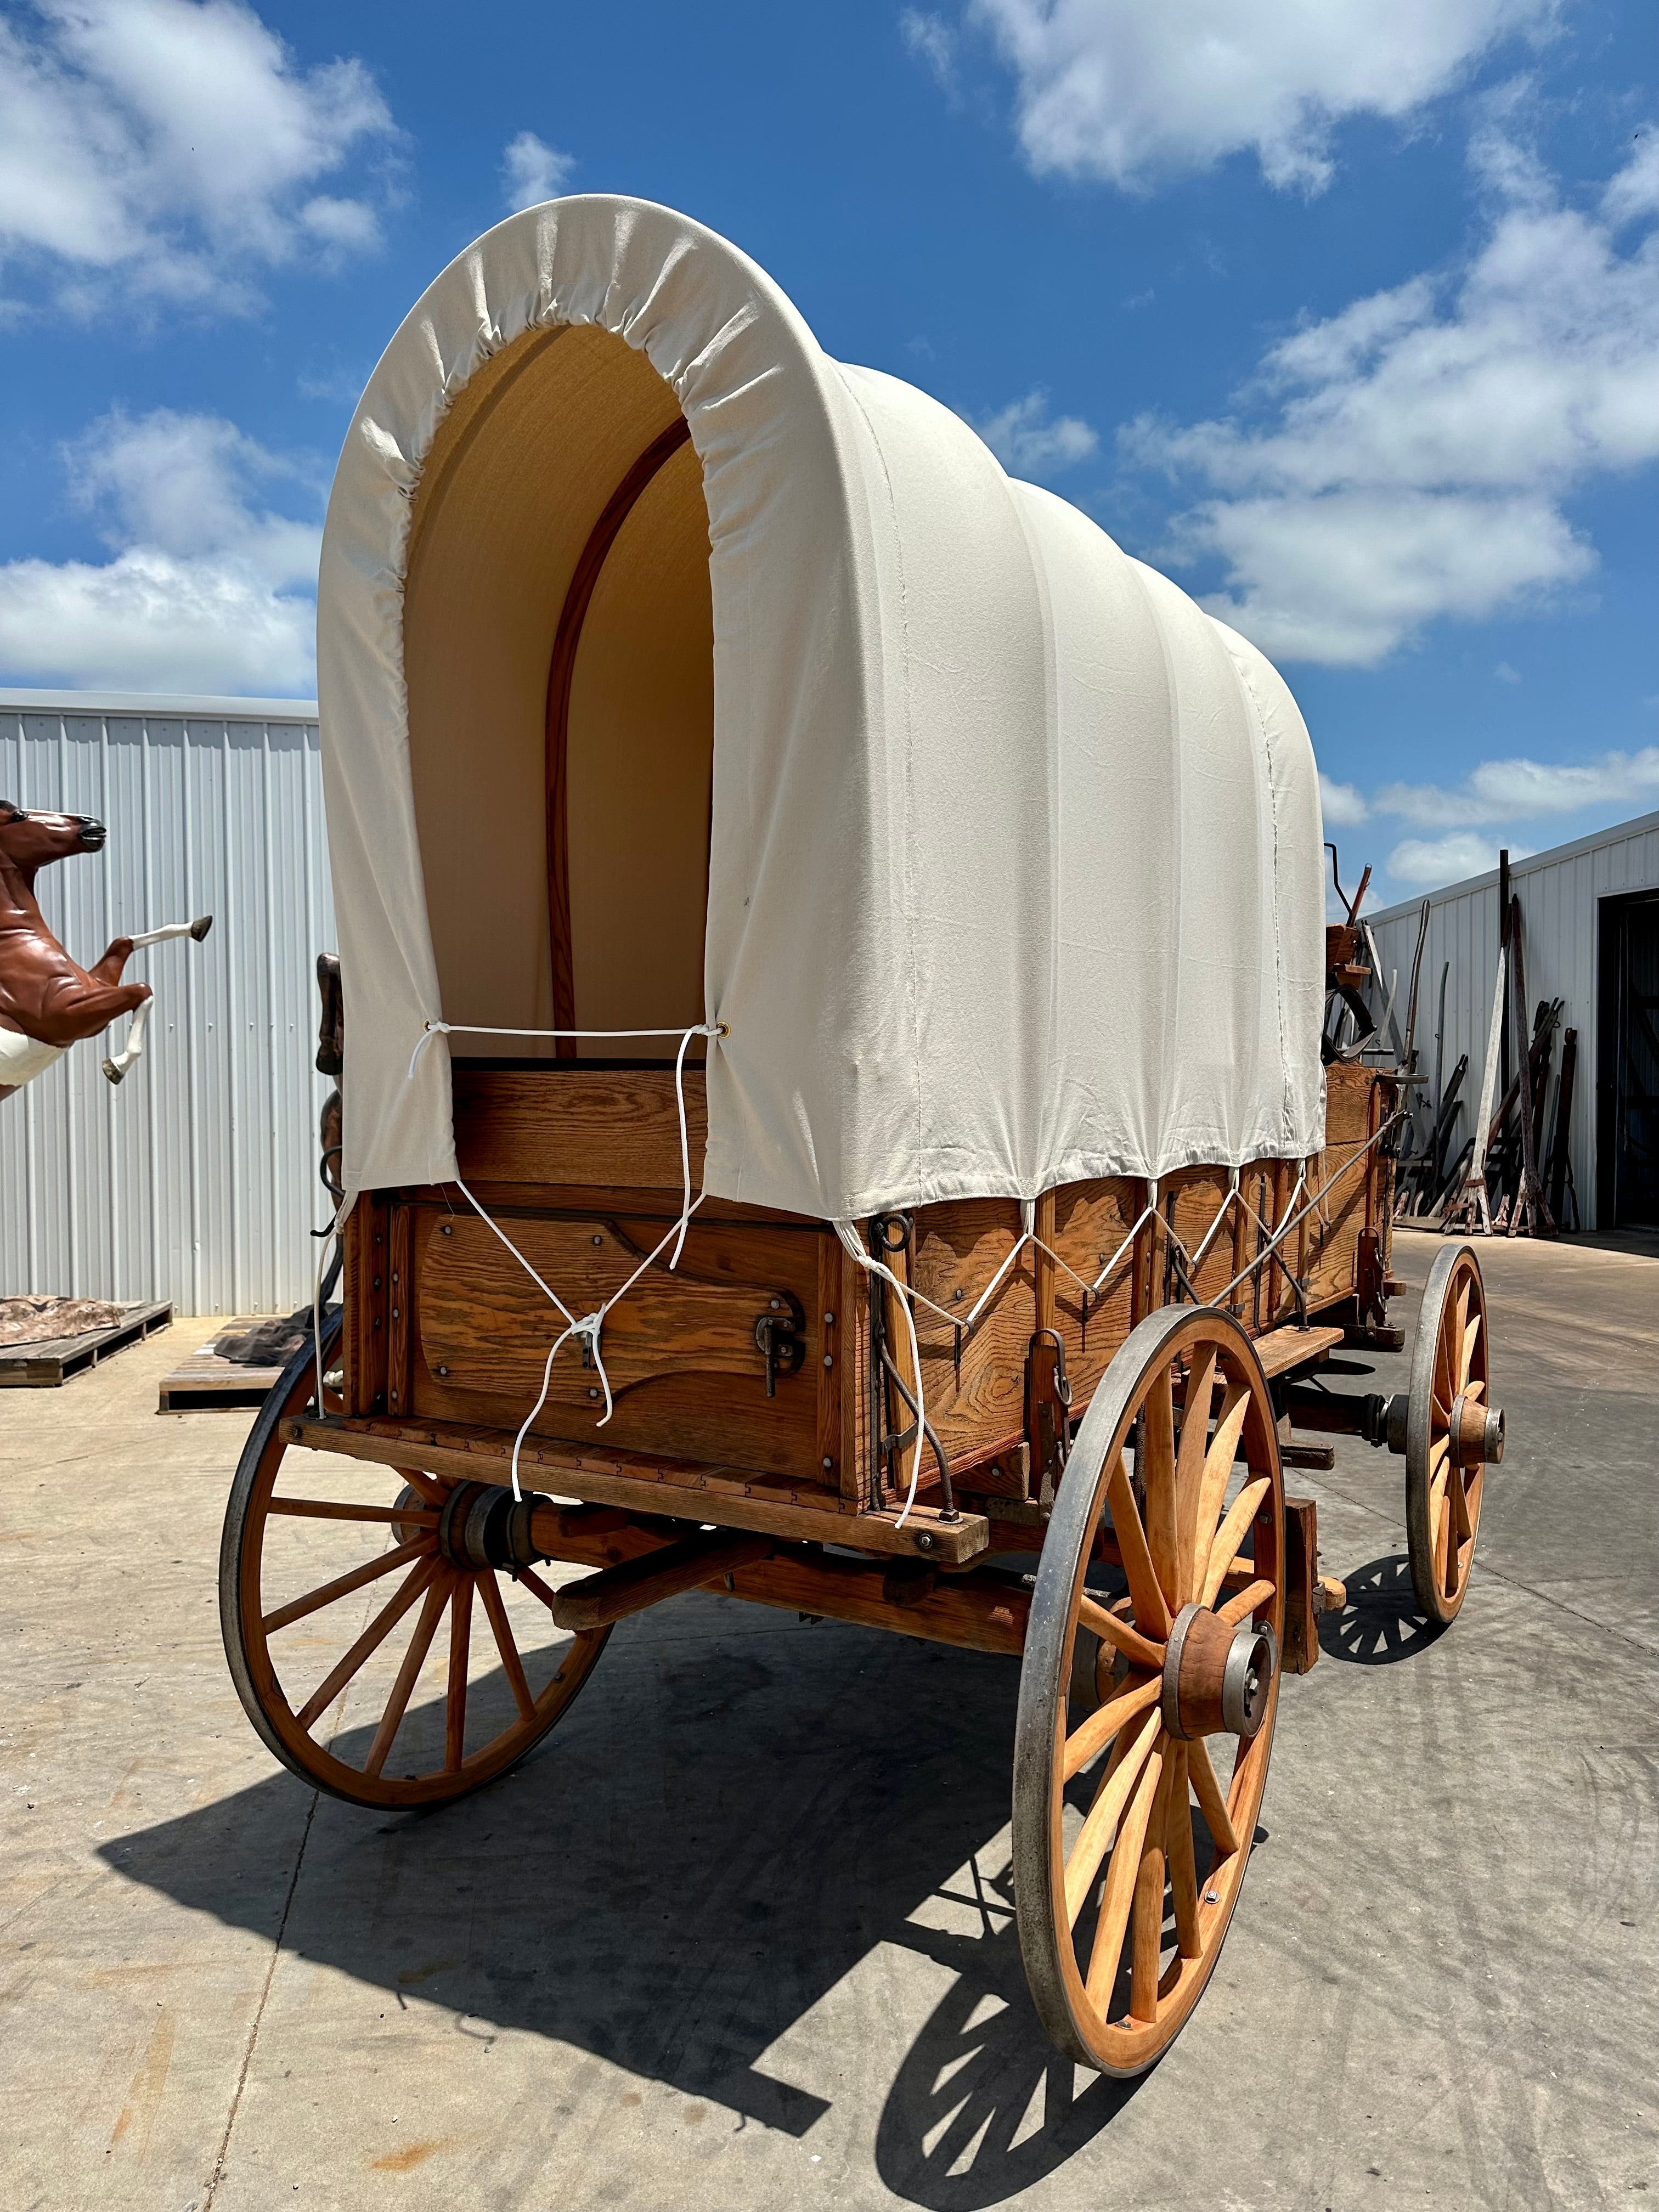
588, 1330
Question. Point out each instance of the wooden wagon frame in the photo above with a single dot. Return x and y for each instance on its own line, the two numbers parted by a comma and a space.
1050, 1428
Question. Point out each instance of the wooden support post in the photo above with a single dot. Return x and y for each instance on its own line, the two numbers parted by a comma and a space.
1301, 1578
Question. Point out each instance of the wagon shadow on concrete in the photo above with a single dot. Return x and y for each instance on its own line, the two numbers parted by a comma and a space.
725, 1826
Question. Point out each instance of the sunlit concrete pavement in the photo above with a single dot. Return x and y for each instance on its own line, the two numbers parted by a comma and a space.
739, 1934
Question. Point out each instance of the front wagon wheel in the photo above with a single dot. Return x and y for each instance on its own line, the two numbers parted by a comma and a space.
336, 1599
1162, 1568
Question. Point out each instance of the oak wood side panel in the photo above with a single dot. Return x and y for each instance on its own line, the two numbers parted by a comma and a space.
687, 1378
575, 1125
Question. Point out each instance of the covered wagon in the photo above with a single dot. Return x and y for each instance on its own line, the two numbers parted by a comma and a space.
834, 958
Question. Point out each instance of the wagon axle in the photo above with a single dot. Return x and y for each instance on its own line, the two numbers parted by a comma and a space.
1476, 1429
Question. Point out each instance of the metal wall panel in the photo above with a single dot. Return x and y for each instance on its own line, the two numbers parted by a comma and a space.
196, 1179
1560, 893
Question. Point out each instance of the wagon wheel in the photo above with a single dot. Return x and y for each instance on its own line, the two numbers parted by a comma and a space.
1194, 1639
327, 1664
1452, 1431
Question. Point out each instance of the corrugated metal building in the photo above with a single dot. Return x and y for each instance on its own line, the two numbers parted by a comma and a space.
197, 1179
1589, 920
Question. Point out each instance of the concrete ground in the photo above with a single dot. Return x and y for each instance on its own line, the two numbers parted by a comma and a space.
738, 1935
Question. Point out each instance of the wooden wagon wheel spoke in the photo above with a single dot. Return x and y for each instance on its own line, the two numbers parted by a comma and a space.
1466, 1355
460, 1642
274, 1539
1158, 1481
1086, 1742
328, 1509
1139, 1650
1146, 1955
1107, 1949
1219, 1466
345, 1585
1231, 1536
1212, 1802
1178, 1848
1092, 1911
439, 1592
1245, 1602
367, 1645
1095, 1837
1145, 1593
490, 1590
1190, 1461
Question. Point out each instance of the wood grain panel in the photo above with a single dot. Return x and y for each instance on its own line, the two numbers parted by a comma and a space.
577, 1125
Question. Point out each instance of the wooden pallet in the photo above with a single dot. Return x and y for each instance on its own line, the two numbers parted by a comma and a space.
49, 1363
205, 1380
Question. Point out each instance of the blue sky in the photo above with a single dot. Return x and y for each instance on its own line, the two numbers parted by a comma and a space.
1347, 315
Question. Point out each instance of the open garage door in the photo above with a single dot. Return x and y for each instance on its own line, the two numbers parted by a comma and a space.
1628, 1139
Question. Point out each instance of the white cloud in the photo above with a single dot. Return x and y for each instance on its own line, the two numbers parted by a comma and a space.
1427, 863
1635, 191
1408, 458
533, 171
1028, 444
1133, 90
170, 150
933, 40
206, 591
1530, 791
1343, 805
1505, 673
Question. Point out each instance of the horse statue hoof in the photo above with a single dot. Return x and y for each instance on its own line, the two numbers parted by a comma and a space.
200, 926
115, 1074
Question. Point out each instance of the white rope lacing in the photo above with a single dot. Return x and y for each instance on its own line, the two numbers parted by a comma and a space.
587, 1329
852, 1243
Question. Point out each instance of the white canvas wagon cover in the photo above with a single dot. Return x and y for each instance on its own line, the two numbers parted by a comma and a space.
1013, 855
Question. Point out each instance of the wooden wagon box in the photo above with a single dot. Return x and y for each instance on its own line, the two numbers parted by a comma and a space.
446, 1330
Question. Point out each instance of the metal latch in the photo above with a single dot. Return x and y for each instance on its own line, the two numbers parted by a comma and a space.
1047, 1407
781, 1340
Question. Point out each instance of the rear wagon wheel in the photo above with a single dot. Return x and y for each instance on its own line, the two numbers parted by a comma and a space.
335, 1598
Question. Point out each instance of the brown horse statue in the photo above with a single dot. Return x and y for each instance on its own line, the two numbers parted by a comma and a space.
46, 1002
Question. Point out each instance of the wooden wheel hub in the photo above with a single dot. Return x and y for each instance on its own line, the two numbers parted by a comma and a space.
1477, 1432
484, 1525
1217, 1677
